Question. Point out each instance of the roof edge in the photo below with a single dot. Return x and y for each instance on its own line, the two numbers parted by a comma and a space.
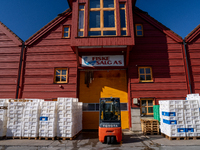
158, 25
193, 34
48, 27
11, 34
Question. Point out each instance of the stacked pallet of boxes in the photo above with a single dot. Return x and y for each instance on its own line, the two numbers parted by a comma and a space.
30, 127
3, 117
193, 122
15, 118
48, 120
69, 117
180, 118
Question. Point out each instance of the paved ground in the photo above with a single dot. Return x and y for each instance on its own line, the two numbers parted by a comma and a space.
89, 141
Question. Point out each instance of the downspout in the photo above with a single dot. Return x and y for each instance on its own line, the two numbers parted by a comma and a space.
19, 72
188, 71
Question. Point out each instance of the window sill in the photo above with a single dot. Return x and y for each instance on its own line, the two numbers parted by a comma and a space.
102, 36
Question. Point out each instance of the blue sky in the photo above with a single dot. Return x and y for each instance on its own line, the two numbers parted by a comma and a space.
26, 17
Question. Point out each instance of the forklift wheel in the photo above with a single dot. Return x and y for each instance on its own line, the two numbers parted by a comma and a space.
113, 139
108, 140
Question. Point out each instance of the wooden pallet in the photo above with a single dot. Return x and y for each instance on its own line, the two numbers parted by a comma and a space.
29, 138
3, 137
193, 138
151, 133
47, 138
174, 138
150, 126
19, 100
69, 138
13, 137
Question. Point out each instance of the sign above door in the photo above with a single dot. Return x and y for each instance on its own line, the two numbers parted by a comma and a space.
102, 60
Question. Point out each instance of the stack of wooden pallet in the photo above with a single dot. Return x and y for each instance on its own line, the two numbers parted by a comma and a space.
150, 126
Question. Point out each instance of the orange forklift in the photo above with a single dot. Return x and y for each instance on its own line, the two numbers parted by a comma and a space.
110, 130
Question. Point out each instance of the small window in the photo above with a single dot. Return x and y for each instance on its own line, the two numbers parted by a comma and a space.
66, 32
146, 106
60, 75
145, 74
139, 29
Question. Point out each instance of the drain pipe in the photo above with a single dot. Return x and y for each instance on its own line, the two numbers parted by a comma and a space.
188, 71
20, 68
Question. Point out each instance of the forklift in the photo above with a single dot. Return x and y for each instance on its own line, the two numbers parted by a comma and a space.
110, 130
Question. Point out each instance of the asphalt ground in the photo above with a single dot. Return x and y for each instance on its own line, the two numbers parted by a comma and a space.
89, 141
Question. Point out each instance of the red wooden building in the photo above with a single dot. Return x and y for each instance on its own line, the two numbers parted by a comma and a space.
101, 49
10, 52
192, 44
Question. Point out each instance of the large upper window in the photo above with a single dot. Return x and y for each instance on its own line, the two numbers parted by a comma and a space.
102, 18
145, 74
122, 7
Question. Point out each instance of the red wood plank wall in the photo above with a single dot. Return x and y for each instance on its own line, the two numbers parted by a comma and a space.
41, 58
193, 50
165, 56
9, 63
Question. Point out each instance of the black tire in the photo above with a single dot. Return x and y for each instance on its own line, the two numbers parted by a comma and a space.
108, 140
113, 139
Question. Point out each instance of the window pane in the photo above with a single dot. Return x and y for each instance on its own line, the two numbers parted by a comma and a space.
80, 33
122, 18
142, 77
94, 19
94, 3
109, 19
81, 6
150, 102
121, 5
150, 109
91, 106
109, 32
108, 3
66, 29
64, 72
123, 32
97, 107
139, 27
94, 33
63, 78
81, 19
57, 78
66, 34
148, 77
144, 110
141, 70
139, 32
144, 103
58, 72
85, 106
148, 70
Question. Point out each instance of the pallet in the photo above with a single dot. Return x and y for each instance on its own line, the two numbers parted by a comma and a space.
193, 138
29, 138
69, 138
47, 138
19, 100
174, 138
3, 137
150, 126
13, 137
151, 133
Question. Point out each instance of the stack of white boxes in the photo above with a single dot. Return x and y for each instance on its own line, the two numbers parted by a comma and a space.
69, 117
31, 114
3, 117
48, 119
193, 115
14, 119
180, 118
172, 118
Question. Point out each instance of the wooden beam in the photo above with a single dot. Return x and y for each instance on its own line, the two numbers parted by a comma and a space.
127, 55
77, 57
